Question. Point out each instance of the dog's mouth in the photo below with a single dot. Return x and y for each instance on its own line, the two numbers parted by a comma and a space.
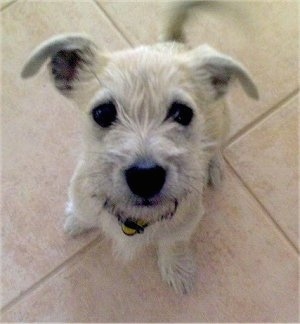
146, 203
147, 211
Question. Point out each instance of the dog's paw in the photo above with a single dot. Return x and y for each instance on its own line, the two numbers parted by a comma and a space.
74, 227
178, 270
69, 210
215, 172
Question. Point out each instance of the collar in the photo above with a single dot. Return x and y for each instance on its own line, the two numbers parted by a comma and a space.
131, 226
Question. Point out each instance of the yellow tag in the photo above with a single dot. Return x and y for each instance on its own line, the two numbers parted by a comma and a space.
127, 230
142, 223
131, 231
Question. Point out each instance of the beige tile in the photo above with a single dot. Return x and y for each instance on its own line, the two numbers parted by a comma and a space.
267, 160
138, 20
246, 273
5, 3
40, 137
261, 34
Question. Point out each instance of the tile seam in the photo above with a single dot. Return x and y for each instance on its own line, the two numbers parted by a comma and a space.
116, 27
260, 119
265, 210
8, 5
71, 259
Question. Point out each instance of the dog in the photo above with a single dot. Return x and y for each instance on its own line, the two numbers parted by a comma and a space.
154, 122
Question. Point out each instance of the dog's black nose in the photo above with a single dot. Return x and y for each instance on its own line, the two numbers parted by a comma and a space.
145, 178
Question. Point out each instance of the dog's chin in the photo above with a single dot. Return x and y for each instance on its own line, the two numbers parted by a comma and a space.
147, 210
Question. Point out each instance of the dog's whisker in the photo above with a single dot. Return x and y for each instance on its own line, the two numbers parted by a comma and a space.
191, 177
191, 186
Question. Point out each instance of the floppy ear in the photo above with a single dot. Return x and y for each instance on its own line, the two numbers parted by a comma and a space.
73, 60
214, 72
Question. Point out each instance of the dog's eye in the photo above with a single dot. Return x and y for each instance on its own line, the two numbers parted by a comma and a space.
105, 114
180, 113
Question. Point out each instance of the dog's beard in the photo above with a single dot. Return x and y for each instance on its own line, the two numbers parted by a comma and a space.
148, 211
182, 181
123, 205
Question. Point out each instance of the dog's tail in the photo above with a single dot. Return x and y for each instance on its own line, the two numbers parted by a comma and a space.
176, 14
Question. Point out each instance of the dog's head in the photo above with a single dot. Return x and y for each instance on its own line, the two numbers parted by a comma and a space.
146, 141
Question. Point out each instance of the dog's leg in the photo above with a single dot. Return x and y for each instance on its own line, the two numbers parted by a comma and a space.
177, 265
73, 225
215, 171
84, 206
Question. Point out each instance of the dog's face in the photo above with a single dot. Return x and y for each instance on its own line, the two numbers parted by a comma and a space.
145, 111
145, 134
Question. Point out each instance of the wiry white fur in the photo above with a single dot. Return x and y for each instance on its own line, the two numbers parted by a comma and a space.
143, 82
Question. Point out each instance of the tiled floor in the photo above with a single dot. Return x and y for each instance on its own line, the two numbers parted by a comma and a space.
247, 244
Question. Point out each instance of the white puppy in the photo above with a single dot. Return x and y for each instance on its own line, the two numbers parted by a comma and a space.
154, 122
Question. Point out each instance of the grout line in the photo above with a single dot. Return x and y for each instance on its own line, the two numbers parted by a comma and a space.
261, 118
113, 23
268, 215
8, 5
50, 275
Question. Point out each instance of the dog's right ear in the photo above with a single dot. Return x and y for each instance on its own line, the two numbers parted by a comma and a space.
73, 60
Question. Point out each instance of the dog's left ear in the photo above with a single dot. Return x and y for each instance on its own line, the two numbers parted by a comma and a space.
214, 72
73, 62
